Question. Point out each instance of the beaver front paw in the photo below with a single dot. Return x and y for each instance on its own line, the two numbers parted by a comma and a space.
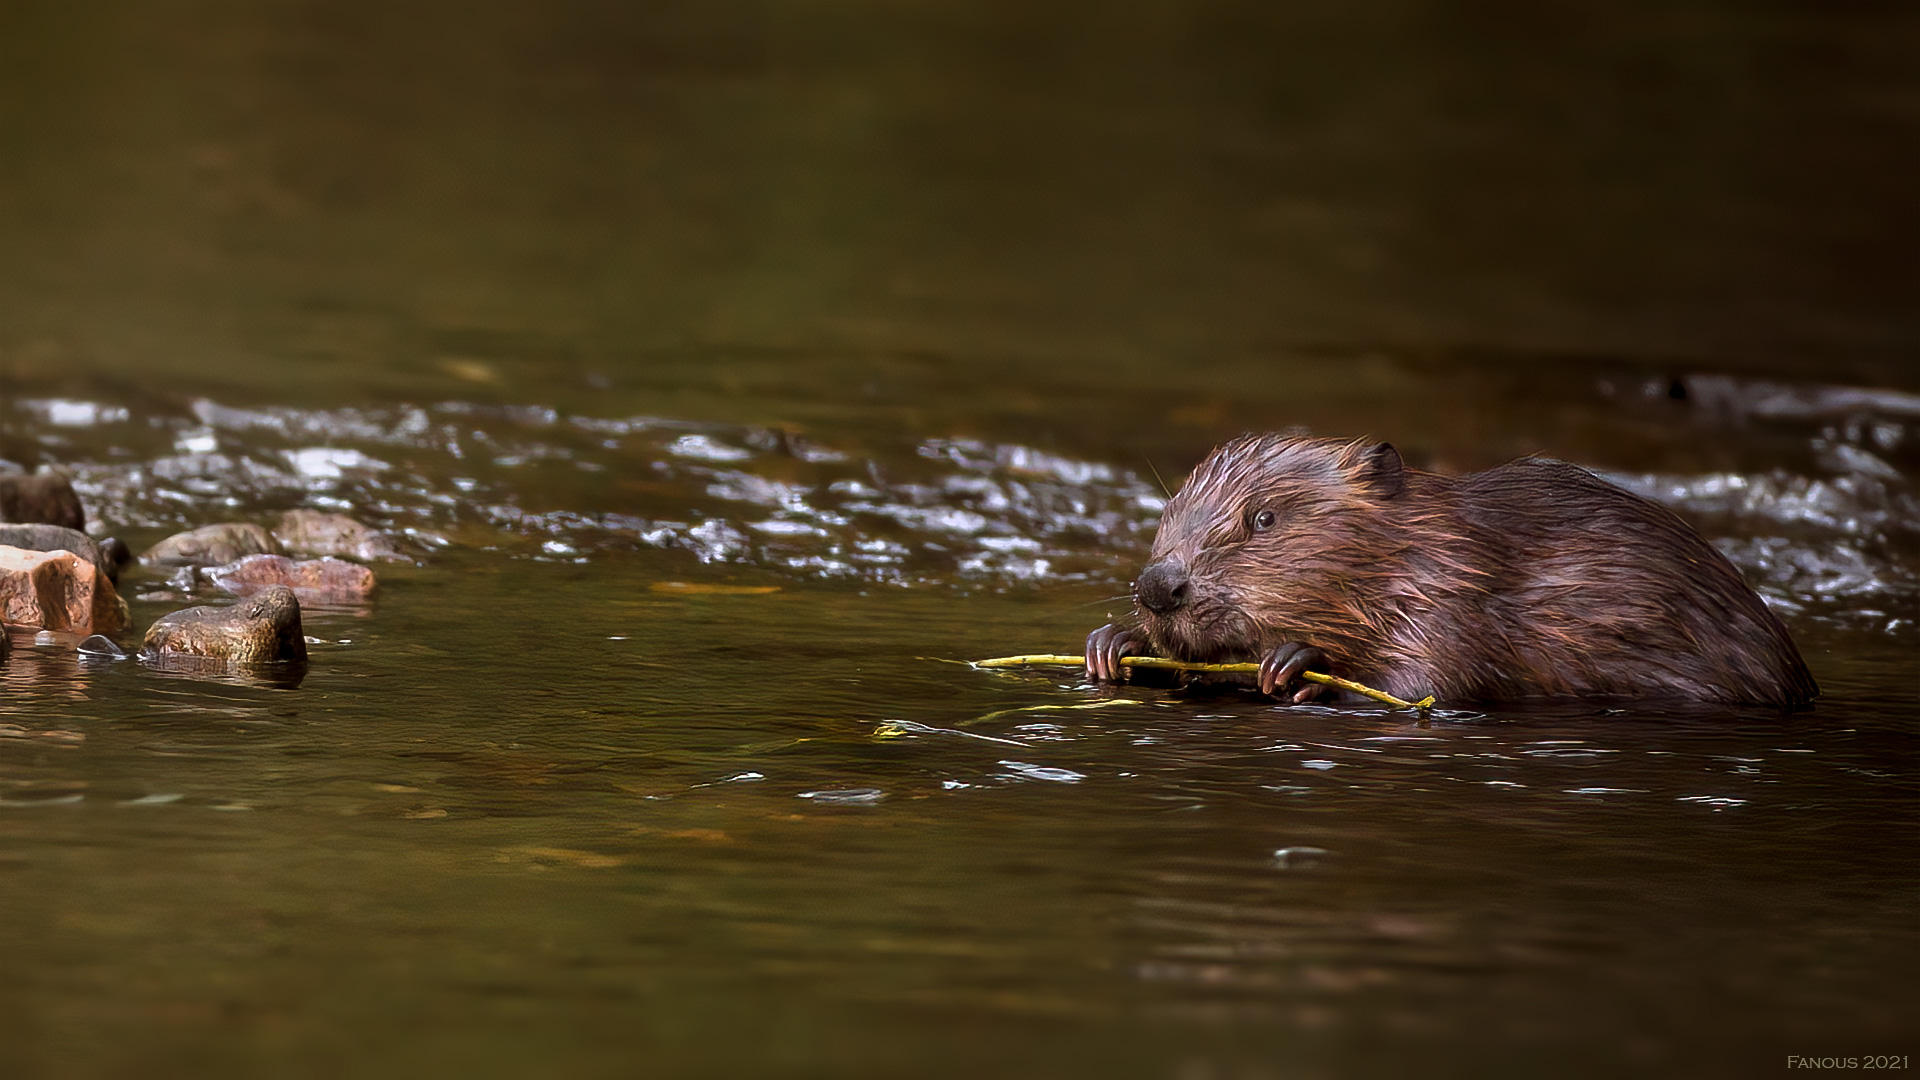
1106, 646
1280, 672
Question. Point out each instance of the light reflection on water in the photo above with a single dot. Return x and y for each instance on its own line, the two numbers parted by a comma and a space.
956, 509
894, 310
436, 812
1828, 537
532, 777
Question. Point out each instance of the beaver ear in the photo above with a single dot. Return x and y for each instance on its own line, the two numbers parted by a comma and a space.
1382, 470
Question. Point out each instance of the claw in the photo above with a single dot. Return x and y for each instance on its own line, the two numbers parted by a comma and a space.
1280, 671
1106, 646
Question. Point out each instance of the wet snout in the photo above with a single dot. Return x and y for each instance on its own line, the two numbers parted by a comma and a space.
1163, 587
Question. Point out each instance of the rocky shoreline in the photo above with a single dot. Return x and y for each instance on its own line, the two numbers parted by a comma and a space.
54, 577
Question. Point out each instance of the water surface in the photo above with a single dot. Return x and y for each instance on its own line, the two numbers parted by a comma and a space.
885, 320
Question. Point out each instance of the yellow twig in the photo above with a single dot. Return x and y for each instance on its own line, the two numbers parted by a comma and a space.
1059, 660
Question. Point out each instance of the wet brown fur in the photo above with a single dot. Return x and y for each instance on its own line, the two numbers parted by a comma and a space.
1535, 579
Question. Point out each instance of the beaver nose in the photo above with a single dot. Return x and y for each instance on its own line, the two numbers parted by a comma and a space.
1162, 588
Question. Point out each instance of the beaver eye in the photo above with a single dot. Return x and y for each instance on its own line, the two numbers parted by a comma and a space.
1263, 521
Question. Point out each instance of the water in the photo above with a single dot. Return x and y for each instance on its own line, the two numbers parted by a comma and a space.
729, 378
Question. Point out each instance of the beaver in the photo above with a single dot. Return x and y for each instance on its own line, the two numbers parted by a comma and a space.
1532, 580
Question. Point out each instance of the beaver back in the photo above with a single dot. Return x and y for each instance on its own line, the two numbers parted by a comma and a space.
1533, 579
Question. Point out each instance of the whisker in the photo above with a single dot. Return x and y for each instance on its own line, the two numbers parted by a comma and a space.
1156, 476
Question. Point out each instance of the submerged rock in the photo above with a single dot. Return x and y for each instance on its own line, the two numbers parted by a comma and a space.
100, 645
263, 628
212, 545
44, 498
57, 590
107, 556
316, 581
314, 532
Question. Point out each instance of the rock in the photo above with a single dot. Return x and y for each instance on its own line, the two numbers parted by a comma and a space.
313, 581
114, 550
45, 498
60, 538
212, 545
57, 590
312, 532
263, 628
99, 645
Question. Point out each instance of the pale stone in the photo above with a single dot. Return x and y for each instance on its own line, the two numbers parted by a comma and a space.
212, 545
314, 532
58, 538
57, 590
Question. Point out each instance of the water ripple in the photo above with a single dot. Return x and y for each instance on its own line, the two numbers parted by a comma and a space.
534, 483
1830, 537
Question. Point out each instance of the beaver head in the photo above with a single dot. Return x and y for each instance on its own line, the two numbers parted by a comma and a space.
1274, 538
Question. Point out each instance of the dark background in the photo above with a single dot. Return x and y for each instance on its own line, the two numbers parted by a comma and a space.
327, 197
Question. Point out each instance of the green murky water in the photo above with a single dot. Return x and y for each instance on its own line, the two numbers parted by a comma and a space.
891, 309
